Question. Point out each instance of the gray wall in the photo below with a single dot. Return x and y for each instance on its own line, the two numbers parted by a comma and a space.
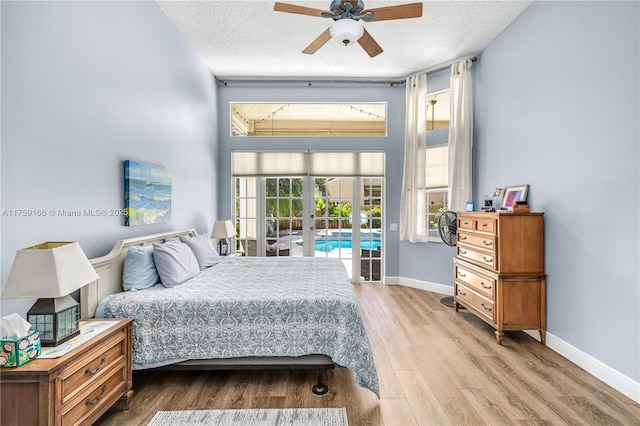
557, 99
85, 86
393, 143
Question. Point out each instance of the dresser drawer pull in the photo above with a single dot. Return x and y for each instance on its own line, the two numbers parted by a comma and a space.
98, 368
463, 251
486, 309
483, 285
98, 398
484, 224
463, 237
488, 243
487, 259
462, 293
461, 274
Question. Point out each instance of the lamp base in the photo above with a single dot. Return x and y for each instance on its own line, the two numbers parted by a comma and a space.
223, 247
56, 319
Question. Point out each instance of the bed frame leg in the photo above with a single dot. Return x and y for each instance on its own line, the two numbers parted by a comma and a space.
322, 387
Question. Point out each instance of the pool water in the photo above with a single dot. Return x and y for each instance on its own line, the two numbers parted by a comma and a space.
330, 245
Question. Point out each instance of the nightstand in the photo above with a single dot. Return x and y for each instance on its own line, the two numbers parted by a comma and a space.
76, 388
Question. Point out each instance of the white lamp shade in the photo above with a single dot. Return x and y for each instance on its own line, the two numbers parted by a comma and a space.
51, 269
346, 31
223, 229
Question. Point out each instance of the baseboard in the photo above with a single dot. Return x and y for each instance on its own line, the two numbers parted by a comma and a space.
420, 285
620, 382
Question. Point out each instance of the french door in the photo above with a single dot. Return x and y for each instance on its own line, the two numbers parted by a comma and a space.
339, 217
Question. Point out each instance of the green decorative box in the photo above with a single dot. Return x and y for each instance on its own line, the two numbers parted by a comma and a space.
17, 352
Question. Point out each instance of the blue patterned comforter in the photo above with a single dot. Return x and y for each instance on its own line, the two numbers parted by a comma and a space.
251, 306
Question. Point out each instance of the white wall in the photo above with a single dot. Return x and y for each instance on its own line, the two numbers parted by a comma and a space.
557, 107
85, 86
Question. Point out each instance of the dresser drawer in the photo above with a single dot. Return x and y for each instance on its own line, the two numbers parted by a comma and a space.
465, 223
96, 398
483, 285
484, 241
487, 260
105, 357
485, 225
473, 301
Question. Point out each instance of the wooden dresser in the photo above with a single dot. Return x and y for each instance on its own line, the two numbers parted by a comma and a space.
499, 270
75, 389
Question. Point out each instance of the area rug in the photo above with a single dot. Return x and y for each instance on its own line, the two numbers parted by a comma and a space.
254, 417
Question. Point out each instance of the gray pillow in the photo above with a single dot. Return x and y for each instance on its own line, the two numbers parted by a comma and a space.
139, 270
202, 248
175, 263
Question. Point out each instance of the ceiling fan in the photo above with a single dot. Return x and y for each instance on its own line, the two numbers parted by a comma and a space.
347, 29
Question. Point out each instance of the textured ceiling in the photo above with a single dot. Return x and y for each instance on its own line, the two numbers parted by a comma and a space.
249, 40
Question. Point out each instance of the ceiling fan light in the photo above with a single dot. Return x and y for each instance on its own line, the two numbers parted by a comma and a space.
346, 31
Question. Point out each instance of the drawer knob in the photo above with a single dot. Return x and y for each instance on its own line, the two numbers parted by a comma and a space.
483, 285
98, 368
98, 398
463, 237
487, 259
463, 251
488, 243
461, 274
486, 309
462, 293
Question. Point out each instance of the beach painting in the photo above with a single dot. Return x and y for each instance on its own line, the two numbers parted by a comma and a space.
147, 193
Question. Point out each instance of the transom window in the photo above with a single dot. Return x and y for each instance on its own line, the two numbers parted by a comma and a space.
309, 119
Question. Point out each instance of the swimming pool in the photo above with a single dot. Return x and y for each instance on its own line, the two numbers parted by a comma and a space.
330, 245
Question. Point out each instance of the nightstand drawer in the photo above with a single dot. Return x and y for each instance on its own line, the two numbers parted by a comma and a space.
104, 392
90, 368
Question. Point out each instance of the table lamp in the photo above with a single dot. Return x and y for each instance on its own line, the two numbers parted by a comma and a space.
222, 230
50, 271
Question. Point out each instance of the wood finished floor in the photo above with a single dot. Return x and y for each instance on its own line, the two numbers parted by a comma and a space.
435, 367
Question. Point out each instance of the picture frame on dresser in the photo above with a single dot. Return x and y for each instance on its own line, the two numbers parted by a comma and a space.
513, 194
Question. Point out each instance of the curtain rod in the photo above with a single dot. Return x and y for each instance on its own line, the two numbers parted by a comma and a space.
225, 81
442, 68
309, 82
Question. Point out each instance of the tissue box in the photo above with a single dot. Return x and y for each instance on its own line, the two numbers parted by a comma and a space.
19, 351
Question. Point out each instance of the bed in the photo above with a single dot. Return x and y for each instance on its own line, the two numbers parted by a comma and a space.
242, 313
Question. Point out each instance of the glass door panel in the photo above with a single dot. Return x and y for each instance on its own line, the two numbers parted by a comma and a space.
283, 216
344, 220
371, 230
333, 201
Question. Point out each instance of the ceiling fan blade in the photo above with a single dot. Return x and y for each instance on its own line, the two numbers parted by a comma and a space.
300, 10
403, 11
318, 43
369, 44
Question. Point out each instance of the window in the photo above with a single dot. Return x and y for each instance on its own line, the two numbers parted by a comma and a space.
437, 161
309, 119
437, 186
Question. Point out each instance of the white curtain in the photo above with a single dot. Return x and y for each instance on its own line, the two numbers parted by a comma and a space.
413, 197
460, 136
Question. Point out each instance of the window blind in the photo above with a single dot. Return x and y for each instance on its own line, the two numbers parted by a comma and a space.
308, 163
437, 167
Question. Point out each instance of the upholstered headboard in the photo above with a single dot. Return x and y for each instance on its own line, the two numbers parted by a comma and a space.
109, 269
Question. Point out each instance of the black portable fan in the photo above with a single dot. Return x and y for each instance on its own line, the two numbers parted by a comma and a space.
448, 228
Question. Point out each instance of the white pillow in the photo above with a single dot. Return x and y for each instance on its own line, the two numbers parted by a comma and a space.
203, 250
175, 263
139, 269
